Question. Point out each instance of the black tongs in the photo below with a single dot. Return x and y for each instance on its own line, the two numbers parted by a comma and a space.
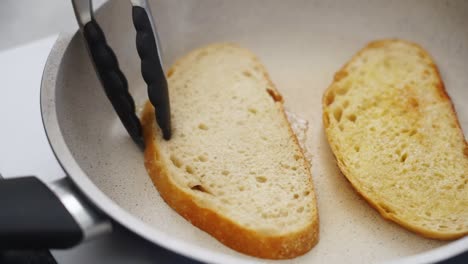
111, 77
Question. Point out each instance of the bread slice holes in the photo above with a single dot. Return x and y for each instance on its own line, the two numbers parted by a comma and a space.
337, 113
341, 127
439, 176
357, 148
202, 158
342, 90
203, 126
253, 110
345, 104
403, 157
336, 146
241, 188
340, 75
352, 118
412, 132
326, 120
261, 179
247, 74
170, 72
297, 156
296, 196
329, 98
386, 209
413, 102
225, 172
189, 169
442, 227
428, 213
177, 162
300, 209
306, 193
200, 188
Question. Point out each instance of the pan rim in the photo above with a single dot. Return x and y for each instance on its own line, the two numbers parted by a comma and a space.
105, 204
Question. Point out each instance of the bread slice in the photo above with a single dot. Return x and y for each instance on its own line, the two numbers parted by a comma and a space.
396, 138
233, 166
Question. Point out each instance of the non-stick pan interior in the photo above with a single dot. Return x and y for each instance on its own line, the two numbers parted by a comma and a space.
302, 43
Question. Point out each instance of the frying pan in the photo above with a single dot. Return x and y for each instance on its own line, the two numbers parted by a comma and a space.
302, 43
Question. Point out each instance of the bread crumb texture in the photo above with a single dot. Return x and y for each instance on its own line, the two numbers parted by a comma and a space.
233, 167
396, 138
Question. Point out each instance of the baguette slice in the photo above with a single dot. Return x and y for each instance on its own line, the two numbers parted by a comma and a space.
396, 138
233, 166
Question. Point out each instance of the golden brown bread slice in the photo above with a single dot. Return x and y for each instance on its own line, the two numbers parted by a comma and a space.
396, 138
233, 167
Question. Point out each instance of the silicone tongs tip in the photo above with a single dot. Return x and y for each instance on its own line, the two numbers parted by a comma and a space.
147, 43
113, 80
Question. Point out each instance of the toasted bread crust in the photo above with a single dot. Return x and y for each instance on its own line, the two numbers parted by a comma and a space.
355, 182
225, 230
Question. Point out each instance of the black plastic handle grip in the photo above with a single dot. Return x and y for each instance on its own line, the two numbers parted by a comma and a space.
32, 217
151, 69
113, 80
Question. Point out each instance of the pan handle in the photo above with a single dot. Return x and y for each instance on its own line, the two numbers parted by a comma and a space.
36, 216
